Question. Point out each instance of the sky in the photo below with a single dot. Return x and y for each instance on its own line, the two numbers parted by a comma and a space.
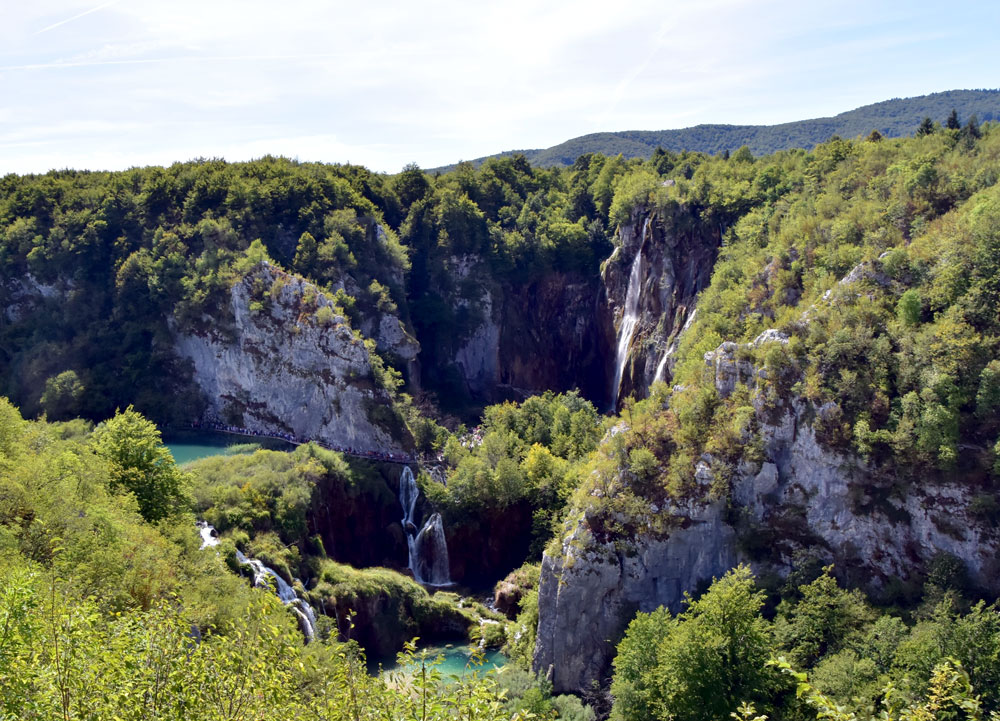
111, 84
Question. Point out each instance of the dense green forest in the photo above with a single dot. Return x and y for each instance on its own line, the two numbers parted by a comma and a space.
110, 609
893, 118
876, 257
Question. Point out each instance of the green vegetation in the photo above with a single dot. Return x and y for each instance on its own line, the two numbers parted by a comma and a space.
876, 258
523, 454
107, 614
97, 267
721, 654
140, 463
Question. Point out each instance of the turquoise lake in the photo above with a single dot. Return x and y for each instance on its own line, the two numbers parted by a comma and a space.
187, 446
456, 661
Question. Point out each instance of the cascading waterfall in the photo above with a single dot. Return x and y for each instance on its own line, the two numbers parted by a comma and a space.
428, 549
672, 348
261, 573
661, 366
630, 317
208, 535
429, 561
408, 493
262, 576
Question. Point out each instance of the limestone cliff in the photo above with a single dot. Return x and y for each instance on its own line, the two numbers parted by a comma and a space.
552, 332
284, 361
591, 590
662, 260
801, 498
556, 334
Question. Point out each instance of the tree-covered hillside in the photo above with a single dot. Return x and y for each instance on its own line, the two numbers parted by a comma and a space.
869, 266
893, 118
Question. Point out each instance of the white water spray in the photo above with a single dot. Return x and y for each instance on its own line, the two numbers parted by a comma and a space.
427, 549
264, 577
672, 348
630, 317
208, 535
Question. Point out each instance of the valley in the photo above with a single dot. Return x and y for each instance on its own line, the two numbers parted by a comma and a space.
654, 435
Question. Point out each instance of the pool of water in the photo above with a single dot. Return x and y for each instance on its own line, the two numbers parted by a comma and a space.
190, 446
456, 663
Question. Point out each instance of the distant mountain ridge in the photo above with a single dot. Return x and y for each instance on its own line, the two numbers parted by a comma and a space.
892, 118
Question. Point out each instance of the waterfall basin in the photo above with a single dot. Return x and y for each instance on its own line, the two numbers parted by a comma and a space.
456, 662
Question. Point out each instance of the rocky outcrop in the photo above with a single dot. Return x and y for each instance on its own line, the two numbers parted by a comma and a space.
486, 547
559, 330
801, 498
358, 521
284, 361
670, 255
478, 356
24, 296
591, 590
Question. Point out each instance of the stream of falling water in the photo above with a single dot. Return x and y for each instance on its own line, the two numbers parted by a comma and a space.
427, 548
630, 317
263, 577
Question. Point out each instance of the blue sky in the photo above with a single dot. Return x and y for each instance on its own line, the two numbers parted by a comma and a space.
112, 84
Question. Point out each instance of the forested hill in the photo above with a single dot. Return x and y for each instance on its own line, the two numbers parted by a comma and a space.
892, 118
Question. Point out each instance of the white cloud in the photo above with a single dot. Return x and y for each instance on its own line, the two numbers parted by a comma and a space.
438, 80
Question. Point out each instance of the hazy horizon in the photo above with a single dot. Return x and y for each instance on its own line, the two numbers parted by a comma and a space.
123, 83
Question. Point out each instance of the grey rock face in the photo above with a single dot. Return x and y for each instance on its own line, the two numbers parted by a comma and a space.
872, 537
589, 593
515, 339
801, 497
478, 357
23, 296
728, 368
678, 254
288, 365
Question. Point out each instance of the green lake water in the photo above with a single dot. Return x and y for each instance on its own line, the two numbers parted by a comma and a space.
456, 660
190, 446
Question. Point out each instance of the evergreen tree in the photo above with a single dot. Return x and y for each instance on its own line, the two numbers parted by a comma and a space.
926, 127
952, 122
971, 130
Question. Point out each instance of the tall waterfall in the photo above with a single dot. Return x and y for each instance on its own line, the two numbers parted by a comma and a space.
262, 576
428, 549
630, 317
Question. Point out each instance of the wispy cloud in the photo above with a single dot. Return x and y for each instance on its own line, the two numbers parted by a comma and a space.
433, 81
172, 59
53, 26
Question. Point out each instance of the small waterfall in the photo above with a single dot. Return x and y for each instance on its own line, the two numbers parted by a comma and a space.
429, 559
661, 366
630, 317
672, 348
408, 493
262, 576
208, 535
427, 549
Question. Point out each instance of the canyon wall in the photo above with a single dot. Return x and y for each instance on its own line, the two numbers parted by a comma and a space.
285, 362
651, 282
802, 498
